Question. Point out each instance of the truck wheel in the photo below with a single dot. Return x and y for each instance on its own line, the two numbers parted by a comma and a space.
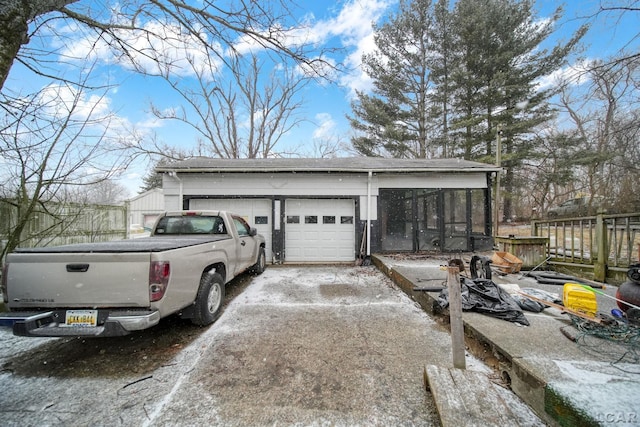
258, 267
208, 303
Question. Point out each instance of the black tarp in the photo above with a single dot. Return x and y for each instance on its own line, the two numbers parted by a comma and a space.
484, 296
535, 306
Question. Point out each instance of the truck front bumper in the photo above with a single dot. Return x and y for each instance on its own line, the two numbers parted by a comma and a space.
47, 324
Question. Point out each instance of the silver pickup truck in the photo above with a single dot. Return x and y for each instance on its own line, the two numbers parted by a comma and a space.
114, 288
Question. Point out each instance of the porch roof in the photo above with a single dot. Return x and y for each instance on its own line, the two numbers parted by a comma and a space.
340, 164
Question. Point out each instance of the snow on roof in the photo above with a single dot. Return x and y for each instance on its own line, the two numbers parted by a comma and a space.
342, 164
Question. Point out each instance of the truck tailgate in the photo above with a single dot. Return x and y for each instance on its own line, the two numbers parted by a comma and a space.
78, 280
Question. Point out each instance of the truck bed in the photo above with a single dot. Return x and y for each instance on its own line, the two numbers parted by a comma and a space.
145, 244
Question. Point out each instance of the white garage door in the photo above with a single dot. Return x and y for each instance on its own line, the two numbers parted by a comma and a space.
319, 230
257, 212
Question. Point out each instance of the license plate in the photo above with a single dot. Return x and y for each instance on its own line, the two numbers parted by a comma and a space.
81, 318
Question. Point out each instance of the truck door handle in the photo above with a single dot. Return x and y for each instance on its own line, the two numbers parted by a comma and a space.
243, 243
77, 268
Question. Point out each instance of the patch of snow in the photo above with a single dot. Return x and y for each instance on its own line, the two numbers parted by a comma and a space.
588, 372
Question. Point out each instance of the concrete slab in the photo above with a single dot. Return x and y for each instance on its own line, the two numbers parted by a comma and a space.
589, 382
295, 346
314, 346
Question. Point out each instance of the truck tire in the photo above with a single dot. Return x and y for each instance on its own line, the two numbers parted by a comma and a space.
259, 266
208, 303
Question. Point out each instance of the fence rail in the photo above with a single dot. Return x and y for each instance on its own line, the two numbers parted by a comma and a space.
607, 243
65, 224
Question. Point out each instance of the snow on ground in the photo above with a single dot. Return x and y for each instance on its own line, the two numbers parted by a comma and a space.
299, 346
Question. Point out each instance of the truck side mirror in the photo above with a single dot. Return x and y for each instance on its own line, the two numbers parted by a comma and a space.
253, 231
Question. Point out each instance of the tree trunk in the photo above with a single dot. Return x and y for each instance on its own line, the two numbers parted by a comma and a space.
15, 16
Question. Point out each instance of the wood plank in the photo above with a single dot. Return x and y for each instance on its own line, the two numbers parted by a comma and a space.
562, 308
467, 398
455, 318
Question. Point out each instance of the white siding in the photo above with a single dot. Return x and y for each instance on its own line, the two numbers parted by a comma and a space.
364, 208
434, 180
311, 184
146, 205
321, 184
284, 184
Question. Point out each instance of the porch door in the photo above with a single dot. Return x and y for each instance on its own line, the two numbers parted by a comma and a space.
397, 220
456, 221
429, 229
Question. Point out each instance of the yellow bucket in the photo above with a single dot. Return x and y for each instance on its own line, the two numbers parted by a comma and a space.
577, 298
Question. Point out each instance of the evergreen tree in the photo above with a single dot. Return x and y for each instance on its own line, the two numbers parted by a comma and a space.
443, 75
441, 65
501, 61
393, 120
151, 180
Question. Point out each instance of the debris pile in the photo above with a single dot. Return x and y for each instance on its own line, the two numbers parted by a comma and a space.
484, 296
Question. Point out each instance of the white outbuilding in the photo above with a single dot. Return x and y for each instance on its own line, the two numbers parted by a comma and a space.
145, 208
318, 210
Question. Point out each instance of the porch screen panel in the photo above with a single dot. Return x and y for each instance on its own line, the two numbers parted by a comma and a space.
479, 218
455, 220
397, 220
428, 220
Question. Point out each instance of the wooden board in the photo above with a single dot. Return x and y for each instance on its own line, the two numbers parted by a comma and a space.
467, 398
562, 308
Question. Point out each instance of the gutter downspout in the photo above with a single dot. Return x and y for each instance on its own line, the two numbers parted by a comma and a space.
369, 177
174, 175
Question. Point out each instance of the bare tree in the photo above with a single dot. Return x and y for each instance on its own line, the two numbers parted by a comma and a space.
103, 192
603, 114
51, 141
245, 117
134, 29
616, 10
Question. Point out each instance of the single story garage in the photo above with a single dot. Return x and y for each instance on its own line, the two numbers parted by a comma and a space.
319, 210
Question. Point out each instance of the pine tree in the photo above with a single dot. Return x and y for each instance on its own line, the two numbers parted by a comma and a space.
393, 120
441, 63
497, 75
150, 181
443, 75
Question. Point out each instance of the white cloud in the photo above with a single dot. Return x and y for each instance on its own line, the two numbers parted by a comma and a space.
326, 127
170, 50
158, 49
150, 122
574, 75
58, 100
352, 27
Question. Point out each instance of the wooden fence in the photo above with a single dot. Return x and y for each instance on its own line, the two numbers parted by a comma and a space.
607, 244
66, 224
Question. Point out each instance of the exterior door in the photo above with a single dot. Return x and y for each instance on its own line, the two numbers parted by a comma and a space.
456, 221
248, 245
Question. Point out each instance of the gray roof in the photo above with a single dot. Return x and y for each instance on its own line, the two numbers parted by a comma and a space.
340, 164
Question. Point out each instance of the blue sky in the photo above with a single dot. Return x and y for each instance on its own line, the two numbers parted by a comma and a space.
346, 24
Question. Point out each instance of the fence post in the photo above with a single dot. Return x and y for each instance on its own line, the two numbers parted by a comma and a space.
455, 317
600, 263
